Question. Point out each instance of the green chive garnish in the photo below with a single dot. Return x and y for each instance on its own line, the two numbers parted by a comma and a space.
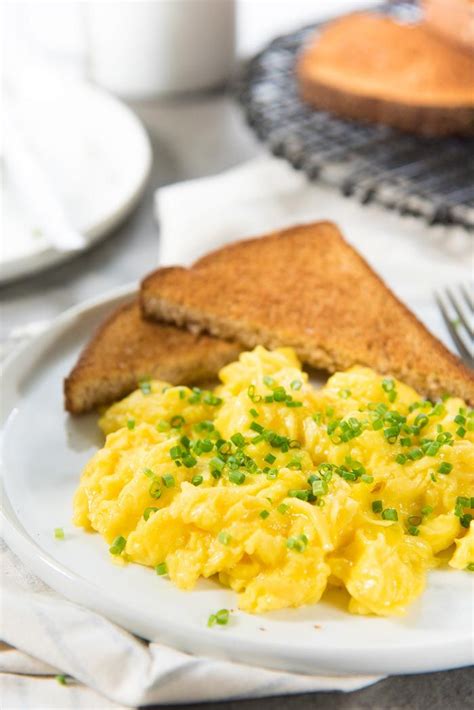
264, 514
59, 533
197, 480
161, 569
221, 617
155, 490
445, 467
148, 511
237, 477
224, 538
131, 424
177, 421
145, 386
61, 679
283, 508
238, 440
168, 480
390, 514
118, 545
377, 506
296, 385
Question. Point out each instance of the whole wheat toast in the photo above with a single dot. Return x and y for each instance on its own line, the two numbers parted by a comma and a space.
127, 348
307, 288
371, 68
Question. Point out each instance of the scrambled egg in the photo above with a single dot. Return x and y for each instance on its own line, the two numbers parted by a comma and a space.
280, 489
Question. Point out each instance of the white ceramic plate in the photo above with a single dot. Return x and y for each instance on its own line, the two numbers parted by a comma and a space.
43, 451
98, 158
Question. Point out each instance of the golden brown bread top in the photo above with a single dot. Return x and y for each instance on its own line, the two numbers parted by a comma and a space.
127, 348
372, 55
306, 287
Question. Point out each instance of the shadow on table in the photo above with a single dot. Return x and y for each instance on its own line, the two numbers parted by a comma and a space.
429, 691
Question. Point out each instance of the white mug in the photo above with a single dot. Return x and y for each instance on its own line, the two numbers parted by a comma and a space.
141, 48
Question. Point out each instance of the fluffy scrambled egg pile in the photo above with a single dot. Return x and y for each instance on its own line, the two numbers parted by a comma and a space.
281, 489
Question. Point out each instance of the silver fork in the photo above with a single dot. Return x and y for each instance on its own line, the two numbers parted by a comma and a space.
456, 304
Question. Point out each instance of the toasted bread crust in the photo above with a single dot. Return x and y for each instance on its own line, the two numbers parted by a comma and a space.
307, 288
425, 85
127, 348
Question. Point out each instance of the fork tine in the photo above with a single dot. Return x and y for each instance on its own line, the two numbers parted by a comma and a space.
459, 312
453, 331
467, 296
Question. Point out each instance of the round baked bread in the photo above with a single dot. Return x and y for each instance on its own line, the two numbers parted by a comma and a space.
373, 69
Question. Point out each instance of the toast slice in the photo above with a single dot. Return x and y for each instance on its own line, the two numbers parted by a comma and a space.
307, 288
127, 348
371, 68
453, 20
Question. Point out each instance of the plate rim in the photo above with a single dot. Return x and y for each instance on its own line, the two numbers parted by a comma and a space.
207, 642
34, 263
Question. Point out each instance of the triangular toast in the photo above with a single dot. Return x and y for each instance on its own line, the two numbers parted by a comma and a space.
307, 288
372, 68
127, 348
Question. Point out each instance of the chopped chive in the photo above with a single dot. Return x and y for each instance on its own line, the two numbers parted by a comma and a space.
264, 514
238, 439
461, 432
366, 478
224, 538
345, 393
148, 473
445, 467
253, 412
130, 424
401, 459
61, 679
237, 477
294, 403
197, 480
177, 421
148, 511
413, 530
283, 508
189, 461
182, 393
296, 385
168, 480
145, 386
162, 426
320, 487
426, 510
118, 545
415, 454
377, 506
155, 490
270, 458
390, 514
59, 533
298, 544
257, 427
470, 567
161, 569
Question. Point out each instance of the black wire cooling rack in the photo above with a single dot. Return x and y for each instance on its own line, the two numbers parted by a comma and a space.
425, 177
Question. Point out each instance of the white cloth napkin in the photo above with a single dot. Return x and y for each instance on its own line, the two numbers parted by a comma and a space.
48, 635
